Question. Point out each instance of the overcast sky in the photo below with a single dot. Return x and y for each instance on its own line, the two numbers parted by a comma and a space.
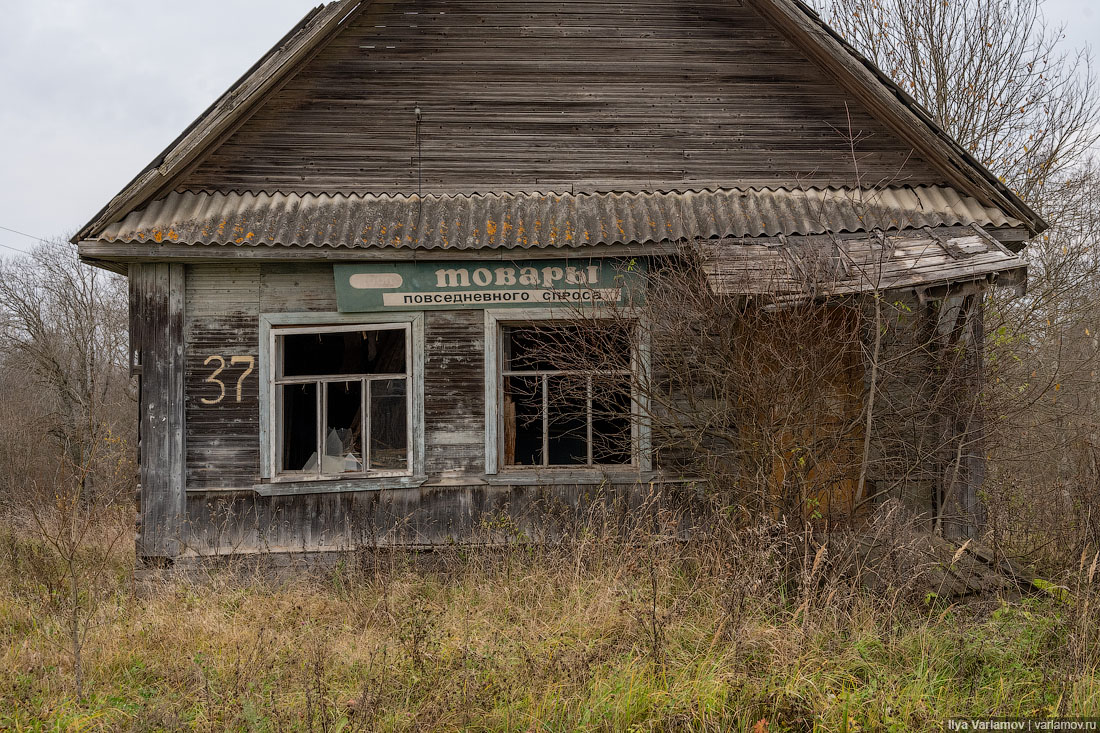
93, 91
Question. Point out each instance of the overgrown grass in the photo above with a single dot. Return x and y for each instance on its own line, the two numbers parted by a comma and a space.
599, 636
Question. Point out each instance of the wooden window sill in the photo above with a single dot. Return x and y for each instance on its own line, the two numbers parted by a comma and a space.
338, 486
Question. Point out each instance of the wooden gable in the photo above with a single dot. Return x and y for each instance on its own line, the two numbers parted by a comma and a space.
557, 96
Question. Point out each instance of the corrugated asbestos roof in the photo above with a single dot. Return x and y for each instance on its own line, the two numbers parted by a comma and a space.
317, 26
534, 220
832, 265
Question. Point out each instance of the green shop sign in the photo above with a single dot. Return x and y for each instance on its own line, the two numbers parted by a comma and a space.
362, 288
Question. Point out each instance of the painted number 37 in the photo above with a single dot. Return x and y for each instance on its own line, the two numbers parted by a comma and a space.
248, 361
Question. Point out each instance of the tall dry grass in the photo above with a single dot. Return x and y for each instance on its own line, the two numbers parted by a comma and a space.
599, 631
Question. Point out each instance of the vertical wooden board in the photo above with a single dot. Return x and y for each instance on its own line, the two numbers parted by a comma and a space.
174, 399
902, 432
149, 453
454, 392
160, 300
975, 459
154, 444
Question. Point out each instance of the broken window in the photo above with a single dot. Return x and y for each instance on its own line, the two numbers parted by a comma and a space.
342, 400
567, 395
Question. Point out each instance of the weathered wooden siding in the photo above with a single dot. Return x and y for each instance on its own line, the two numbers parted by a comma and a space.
927, 424
157, 312
223, 450
545, 95
222, 323
425, 517
224, 514
454, 393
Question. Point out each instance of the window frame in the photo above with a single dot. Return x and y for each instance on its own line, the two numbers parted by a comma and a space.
272, 327
495, 322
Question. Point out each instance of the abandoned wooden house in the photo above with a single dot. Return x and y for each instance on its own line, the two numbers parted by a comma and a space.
341, 274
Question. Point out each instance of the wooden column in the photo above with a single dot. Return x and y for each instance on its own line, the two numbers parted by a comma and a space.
157, 309
961, 463
971, 509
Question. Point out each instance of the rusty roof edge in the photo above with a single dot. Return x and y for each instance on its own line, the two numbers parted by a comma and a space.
111, 255
320, 24
310, 32
833, 44
191, 218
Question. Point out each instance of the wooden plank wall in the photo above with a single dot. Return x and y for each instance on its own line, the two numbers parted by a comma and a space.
222, 322
157, 298
454, 393
243, 523
222, 440
557, 95
223, 458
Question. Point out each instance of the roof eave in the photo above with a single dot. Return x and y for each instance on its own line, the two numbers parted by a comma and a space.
799, 22
855, 72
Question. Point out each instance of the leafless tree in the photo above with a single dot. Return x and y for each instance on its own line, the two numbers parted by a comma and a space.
66, 470
63, 337
993, 74
1001, 80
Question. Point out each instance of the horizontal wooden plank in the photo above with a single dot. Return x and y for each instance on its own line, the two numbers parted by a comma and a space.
573, 96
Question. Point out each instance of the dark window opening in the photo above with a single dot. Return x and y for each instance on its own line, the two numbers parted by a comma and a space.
299, 425
331, 379
566, 395
344, 352
389, 421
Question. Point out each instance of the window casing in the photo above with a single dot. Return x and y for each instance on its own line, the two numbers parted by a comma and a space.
344, 399
546, 410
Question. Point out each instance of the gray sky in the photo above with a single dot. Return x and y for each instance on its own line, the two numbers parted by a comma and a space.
93, 91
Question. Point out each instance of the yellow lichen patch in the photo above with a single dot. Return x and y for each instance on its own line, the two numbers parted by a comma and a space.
491, 228
158, 236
